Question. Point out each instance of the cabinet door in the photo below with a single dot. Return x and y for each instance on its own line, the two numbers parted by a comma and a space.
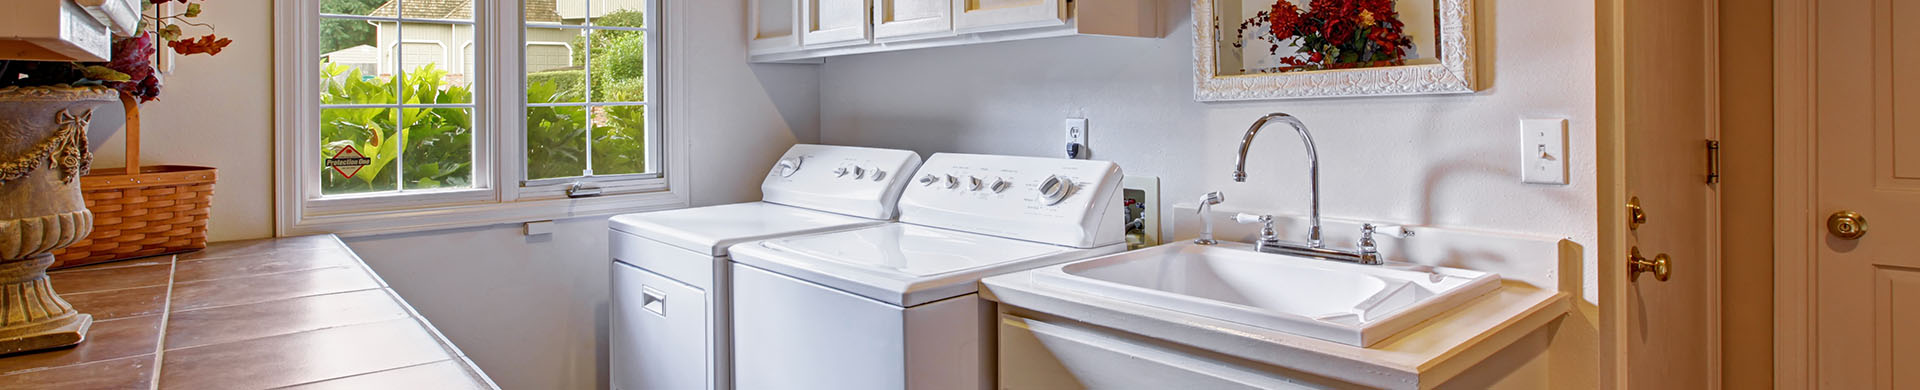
773, 26
911, 18
830, 23
971, 16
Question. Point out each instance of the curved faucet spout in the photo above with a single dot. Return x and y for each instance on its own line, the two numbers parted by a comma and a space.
1313, 165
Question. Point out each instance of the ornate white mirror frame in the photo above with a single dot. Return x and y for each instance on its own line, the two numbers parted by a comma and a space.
1453, 74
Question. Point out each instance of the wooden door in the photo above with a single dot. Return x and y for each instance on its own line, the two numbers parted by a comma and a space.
995, 15
896, 19
1865, 297
833, 23
1661, 330
773, 26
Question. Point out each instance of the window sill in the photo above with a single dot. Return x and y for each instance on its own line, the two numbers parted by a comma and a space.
484, 214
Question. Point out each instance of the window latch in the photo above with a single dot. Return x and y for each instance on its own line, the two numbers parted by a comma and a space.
582, 190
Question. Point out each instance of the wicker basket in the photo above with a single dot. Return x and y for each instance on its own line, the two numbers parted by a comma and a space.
154, 210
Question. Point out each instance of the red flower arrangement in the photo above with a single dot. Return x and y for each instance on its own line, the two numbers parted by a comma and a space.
1334, 34
130, 69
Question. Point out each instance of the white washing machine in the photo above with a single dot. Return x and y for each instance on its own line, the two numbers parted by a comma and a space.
894, 306
670, 328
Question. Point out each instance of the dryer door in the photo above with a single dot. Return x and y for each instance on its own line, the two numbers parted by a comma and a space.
659, 332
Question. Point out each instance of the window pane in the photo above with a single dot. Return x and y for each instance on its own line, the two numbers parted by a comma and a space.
439, 151
355, 7
620, 13
556, 142
619, 66
554, 71
572, 12
619, 140
347, 132
350, 70
428, 9
427, 60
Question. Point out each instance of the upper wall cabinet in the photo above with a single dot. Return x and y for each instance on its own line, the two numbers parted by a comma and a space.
63, 30
1000, 15
773, 26
906, 19
835, 23
829, 28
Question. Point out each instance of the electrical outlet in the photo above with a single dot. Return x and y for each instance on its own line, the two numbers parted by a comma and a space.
1543, 151
1077, 139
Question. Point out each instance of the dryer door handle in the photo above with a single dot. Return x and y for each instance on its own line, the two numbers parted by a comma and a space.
653, 300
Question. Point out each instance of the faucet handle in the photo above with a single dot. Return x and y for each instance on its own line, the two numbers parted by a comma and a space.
1400, 231
1252, 218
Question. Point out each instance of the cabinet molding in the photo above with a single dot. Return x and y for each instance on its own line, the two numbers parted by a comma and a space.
773, 26
835, 23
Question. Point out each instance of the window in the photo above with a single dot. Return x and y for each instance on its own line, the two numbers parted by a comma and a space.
587, 106
479, 111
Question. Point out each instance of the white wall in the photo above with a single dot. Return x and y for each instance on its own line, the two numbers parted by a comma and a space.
532, 311
1436, 160
214, 111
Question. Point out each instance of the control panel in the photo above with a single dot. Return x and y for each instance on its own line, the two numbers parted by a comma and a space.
862, 182
1057, 201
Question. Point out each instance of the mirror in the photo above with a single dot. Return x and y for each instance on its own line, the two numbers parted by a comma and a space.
1280, 49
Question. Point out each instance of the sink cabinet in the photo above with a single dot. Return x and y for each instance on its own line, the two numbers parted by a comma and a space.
809, 30
1043, 355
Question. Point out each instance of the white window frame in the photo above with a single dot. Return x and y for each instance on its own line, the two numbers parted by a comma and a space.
498, 195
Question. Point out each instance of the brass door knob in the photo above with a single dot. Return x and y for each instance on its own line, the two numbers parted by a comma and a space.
1847, 225
1660, 266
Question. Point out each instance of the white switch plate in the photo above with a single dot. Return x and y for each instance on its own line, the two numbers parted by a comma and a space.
1543, 151
1077, 134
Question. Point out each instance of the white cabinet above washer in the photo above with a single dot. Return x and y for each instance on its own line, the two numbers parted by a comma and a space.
816, 29
65, 30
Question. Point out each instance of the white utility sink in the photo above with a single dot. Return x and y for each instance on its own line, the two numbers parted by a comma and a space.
1341, 302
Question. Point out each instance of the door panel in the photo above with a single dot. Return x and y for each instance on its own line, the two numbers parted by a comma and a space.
775, 26
996, 15
1864, 303
908, 18
1668, 103
830, 23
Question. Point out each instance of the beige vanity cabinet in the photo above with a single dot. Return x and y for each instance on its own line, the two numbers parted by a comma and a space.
908, 19
835, 23
971, 16
773, 26
65, 30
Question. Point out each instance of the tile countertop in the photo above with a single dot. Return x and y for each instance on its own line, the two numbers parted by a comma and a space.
303, 312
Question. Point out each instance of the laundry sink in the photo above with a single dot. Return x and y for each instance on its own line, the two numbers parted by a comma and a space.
1335, 301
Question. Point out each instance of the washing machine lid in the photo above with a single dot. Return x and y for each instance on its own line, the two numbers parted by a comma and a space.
712, 229
902, 264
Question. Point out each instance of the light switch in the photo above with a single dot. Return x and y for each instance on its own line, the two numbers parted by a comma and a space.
1543, 151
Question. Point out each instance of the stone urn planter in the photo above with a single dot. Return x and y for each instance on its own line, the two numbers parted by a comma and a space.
43, 153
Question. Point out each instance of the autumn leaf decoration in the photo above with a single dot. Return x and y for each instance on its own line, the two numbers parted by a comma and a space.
168, 26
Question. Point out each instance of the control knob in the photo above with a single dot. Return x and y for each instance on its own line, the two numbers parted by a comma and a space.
1055, 189
787, 166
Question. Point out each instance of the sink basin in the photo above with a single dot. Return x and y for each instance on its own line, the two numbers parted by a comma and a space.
1347, 303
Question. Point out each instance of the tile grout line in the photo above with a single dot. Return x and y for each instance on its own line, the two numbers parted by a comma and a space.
166, 313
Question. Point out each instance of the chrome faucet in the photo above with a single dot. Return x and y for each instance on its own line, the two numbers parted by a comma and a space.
1313, 174
1368, 252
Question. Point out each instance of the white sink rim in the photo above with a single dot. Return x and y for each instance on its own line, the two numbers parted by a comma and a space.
1064, 277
